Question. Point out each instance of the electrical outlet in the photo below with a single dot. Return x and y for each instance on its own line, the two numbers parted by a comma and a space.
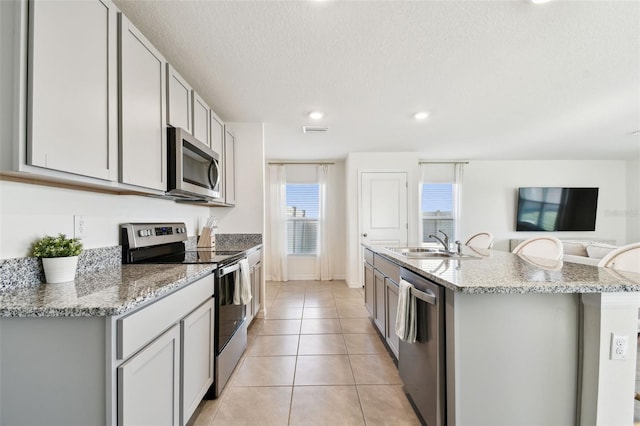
618, 346
79, 228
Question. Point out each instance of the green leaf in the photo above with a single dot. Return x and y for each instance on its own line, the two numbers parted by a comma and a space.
59, 246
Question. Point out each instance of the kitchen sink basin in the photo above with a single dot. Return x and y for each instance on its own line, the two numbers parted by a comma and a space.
425, 253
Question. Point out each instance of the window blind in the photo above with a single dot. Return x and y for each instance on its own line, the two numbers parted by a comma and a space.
302, 218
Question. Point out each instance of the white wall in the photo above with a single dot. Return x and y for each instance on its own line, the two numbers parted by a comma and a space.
633, 201
247, 217
489, 195
30, 211
303, 267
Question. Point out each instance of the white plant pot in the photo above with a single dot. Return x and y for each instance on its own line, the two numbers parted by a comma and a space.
60, 269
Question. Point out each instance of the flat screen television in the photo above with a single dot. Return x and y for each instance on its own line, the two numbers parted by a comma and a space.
557, 209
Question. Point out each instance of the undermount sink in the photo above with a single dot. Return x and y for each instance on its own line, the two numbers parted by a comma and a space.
425, 253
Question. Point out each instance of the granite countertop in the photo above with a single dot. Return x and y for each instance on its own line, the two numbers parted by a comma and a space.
108, 292
491, 271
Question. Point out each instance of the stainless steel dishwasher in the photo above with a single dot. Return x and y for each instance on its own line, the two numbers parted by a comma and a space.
422, 364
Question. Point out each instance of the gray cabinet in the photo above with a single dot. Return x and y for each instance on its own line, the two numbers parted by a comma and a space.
379, 310
255, 263
143, 147
368, 287
256, 301
392, 339
179, 106
217, 133
148, 383
73, 88
229, 167
381, 278
201, 119
197, 357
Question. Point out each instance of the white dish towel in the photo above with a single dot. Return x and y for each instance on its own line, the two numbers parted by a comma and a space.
242, 290
406, 316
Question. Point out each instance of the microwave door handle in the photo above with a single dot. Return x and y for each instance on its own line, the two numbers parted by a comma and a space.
214, 163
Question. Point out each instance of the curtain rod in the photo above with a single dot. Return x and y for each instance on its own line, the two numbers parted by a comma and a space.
282, 163
442, 162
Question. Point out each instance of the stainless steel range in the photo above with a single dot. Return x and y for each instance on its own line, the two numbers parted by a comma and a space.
165, 243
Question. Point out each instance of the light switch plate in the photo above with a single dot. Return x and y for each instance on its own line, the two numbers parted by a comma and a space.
79, 228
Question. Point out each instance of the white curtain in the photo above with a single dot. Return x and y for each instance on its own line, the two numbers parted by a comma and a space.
457, 197
323, 259
278, 210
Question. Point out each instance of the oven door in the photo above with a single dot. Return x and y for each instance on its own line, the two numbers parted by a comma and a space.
230, 317
194, 169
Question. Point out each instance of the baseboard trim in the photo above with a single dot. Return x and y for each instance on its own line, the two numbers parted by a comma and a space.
306, 278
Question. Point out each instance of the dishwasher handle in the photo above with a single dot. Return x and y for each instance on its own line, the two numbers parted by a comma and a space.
425, 296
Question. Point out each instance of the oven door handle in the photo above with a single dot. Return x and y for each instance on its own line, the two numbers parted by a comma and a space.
425, 296
229, 269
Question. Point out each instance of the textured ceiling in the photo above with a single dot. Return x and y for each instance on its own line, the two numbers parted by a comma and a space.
501, 79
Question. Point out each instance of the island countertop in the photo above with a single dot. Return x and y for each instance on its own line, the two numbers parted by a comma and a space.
492, 271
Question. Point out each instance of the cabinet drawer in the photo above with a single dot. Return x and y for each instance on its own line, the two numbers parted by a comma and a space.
387, 268
142, 326
368, 256
254, 258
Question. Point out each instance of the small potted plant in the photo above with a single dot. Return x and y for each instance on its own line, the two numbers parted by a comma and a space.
59, 257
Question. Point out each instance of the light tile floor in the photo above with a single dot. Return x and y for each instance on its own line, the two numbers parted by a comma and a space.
313, 359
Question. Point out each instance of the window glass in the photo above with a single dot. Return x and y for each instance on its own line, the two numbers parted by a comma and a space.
302, 218
437, 210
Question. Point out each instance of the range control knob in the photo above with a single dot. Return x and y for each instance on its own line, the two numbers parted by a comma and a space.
142, 232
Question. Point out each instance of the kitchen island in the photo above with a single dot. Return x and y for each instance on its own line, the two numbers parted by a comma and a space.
527, 341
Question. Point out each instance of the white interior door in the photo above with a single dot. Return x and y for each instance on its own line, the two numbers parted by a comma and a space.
383, 207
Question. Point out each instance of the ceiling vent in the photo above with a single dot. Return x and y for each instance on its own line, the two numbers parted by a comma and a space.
314, 129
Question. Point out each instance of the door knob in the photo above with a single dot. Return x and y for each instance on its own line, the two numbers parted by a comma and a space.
364, 235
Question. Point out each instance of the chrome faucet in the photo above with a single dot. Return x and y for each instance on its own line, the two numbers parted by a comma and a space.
445, 242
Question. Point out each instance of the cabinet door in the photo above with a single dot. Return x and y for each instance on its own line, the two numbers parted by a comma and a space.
148, 383
368, 288
229, 167
143, 147
197, 357
392, 309
257, 289
73, 88
217, 133
200, 119
179, 109
380, 309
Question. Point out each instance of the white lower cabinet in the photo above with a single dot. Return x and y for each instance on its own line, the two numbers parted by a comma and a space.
197, 358
163, 375
148, 383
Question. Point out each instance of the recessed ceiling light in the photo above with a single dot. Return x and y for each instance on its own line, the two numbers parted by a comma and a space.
539, 1
421, 115
316, 115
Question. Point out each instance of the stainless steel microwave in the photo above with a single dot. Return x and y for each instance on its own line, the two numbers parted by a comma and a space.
194, 168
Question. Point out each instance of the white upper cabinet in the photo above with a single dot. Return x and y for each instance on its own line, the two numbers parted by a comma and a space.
73, 88
143, 147
217, 133
229, 167
201, 119
180, 108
